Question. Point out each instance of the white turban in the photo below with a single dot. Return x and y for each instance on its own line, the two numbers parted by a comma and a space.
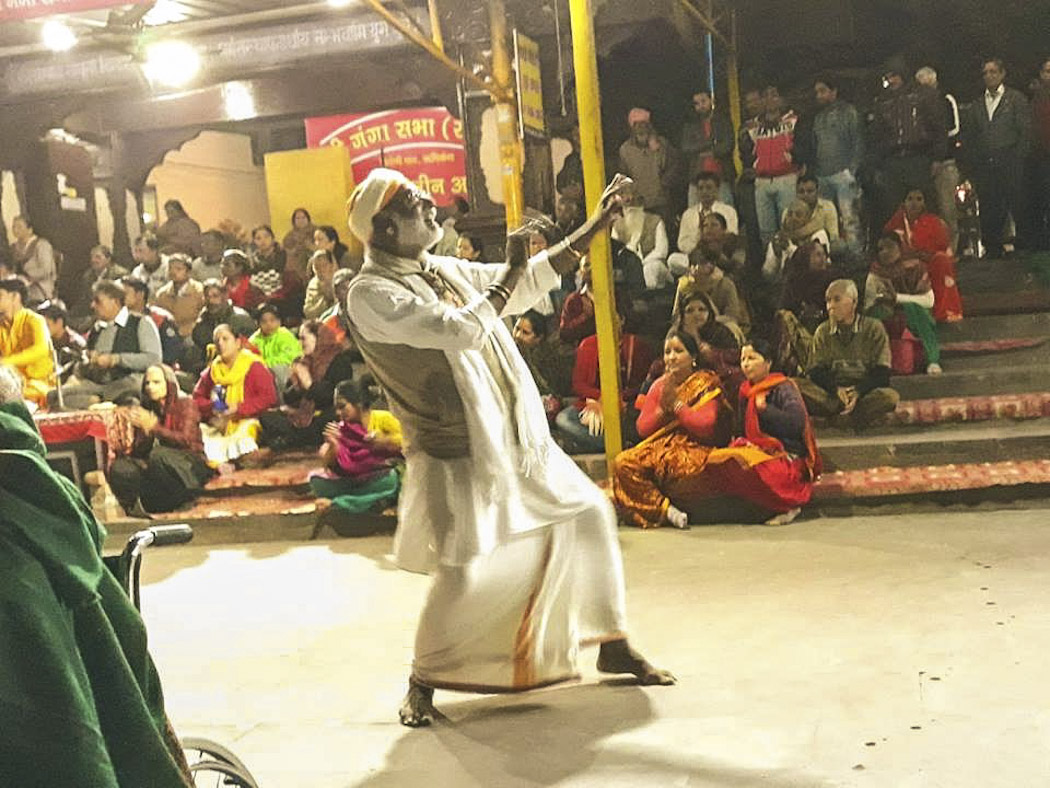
371, 196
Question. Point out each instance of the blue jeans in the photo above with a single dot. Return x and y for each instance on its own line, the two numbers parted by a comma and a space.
843, 190
772, 197
578, 437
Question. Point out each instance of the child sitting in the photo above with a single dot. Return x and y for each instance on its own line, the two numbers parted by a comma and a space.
361, 452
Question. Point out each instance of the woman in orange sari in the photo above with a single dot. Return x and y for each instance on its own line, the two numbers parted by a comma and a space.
683, 418
775, 461
925, 236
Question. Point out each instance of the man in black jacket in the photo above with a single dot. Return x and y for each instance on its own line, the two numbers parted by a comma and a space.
999, 131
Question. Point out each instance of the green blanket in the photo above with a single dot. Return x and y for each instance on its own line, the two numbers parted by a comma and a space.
80, 699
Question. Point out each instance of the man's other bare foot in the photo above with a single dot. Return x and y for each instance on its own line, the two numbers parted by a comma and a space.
417, 709
617, 656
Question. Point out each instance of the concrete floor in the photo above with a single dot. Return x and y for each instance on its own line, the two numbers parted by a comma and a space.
877, 651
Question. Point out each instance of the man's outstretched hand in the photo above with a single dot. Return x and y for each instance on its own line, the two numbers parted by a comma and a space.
518, 245
610, 204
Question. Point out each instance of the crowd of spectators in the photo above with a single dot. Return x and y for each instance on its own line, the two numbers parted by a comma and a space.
830, 259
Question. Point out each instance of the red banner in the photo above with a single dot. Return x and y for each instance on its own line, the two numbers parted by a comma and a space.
426, 144
27, 9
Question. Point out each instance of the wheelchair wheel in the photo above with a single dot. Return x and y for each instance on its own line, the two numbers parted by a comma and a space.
211, 759
216, 774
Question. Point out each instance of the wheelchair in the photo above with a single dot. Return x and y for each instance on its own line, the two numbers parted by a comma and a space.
210, 763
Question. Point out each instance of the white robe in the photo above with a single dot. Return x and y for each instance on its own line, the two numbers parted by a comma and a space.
522, 578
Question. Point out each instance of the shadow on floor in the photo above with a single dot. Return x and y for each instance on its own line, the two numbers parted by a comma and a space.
549, 738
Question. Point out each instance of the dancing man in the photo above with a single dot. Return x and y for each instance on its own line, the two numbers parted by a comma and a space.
521, 544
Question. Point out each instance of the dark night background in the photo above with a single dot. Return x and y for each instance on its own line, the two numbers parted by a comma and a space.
790, 42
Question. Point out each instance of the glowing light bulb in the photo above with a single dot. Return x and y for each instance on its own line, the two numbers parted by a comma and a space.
58, 36
171, 63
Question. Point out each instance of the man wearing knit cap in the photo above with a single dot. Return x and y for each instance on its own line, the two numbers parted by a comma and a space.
521, 544
651, 162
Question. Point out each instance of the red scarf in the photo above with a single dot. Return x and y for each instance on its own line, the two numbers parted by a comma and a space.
753, 430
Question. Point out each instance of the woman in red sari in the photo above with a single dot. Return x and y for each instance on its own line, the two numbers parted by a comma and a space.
775, 461
925, 236
683, 418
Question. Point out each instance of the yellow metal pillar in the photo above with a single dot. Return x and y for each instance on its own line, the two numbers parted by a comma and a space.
734, 93
585, 62
510, 147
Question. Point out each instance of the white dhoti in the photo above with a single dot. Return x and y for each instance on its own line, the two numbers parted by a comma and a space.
514, 619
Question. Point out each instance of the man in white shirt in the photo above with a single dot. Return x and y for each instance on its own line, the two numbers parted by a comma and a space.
689, 231
522, 545
150, 266
645, 235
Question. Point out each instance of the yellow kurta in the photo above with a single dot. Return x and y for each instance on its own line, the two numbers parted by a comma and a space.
26, 345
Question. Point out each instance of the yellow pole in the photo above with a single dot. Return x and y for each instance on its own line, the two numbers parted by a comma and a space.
435, 26
510, 149
734, 93
585, 62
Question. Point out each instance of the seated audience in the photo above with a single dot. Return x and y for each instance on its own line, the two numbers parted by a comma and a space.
577, 313
165, 467
70, 346
320, 295
121, 347
683, 419
217, 310
209, 264
298, 243
179, 233
231, 393
568, 214
361, 452
326, 238
470, 247
172, 346
691, 228
100, 266
581, 425
74, 645
730, 247
336, 318
898, 287
25, 343
149, 266
277, 346
707, 277
183, 296
823, 215
774, 461
236, 272
796, 228
644, 234
307, 395
802, 306
449, 216
551, 368
34, 258
717, 337
849, 363
925, 236
278, 284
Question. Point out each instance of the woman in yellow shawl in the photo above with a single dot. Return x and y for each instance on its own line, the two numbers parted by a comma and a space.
684, 418
232, 391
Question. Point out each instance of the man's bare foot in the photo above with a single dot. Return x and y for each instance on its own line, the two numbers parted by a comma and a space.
417, 709
617, 656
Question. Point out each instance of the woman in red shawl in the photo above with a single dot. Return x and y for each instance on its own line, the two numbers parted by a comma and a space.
775, 461
308, 404
925, 236
165, 467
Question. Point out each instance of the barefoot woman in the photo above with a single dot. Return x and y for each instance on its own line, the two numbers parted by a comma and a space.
521, 544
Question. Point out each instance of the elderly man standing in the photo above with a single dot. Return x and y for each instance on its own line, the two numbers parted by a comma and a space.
522, 545
849, 370
25, 343
652, 163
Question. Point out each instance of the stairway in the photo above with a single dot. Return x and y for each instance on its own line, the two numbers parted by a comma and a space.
978, 435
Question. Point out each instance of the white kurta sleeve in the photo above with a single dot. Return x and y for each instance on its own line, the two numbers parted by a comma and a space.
536, 282
689, 232
389, 313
